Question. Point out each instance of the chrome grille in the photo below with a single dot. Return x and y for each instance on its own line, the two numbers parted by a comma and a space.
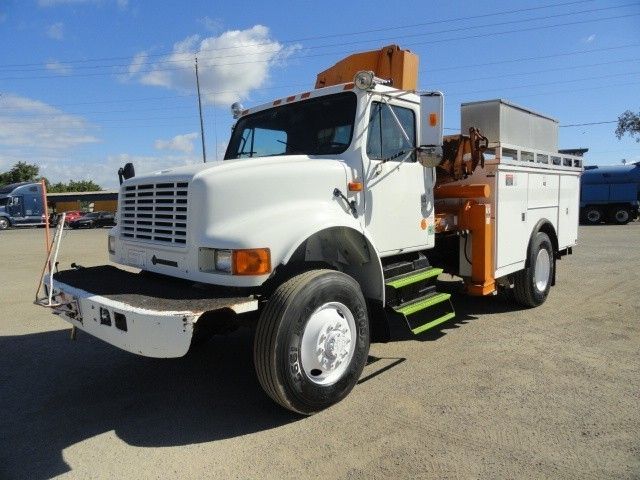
155, 212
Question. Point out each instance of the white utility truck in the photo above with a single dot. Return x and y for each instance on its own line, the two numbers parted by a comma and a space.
333, 209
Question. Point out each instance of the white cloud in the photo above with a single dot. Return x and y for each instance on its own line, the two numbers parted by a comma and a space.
179, 143
590, 38
33, 131
57, 67
104, 170
230, 65
137, 64
55, 31
211, 24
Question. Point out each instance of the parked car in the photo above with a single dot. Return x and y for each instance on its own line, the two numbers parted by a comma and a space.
93, 220
72, 215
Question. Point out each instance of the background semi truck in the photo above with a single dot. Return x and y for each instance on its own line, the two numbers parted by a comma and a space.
21, 205
334, 210
610, 193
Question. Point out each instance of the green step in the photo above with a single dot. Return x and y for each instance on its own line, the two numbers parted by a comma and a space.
422, 304
433, 323
416, 277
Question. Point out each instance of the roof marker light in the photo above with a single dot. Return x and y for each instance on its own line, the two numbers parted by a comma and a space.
236, 109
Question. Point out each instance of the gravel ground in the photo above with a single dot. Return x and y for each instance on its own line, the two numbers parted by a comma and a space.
552, 392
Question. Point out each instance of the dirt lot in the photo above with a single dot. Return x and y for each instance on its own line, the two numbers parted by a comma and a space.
552, 392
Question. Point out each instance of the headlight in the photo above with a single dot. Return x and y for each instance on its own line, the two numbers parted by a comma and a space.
254, 261
112, 244
223, 260
211, 260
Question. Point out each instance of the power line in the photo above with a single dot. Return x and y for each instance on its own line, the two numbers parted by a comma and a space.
298, 85
573, 90
491, 34
588, 123
322, 37
520, 74
547, 83
542, 57
426, 70
120, 121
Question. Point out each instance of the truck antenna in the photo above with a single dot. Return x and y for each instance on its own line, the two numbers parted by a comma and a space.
204, 152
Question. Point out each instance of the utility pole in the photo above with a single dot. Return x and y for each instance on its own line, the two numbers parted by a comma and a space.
204, 152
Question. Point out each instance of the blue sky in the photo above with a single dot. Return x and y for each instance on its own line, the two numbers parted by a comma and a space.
87, 85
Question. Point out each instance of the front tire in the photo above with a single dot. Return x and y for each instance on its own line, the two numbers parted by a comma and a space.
531, 286
4, 223
312, 341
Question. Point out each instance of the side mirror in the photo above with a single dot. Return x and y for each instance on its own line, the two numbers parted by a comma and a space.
431, 119
126, 173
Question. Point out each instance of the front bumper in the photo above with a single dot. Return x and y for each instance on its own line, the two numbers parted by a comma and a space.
153, 317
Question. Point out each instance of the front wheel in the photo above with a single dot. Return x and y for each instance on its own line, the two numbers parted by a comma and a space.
4, 223
312, 341
531, 285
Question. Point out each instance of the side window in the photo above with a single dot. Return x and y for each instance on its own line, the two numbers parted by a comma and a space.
385, 139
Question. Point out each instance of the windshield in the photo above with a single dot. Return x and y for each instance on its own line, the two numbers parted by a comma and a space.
91, 215
318, 126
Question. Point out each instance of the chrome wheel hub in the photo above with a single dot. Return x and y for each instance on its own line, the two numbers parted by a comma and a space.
542, 270
328, 343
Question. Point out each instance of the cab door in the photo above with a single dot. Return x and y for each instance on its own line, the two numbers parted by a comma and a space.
16, 209
398, 195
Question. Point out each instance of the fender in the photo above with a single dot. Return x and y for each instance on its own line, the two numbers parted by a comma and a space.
360, 258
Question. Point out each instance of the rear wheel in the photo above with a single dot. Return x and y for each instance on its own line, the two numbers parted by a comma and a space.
531, 285
619, 215
4, 223
593, 215
312, 341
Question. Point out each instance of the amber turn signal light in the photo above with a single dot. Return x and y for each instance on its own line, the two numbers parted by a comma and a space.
355, 186
254, 261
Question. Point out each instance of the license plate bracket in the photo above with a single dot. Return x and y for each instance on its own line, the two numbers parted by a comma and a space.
69, 306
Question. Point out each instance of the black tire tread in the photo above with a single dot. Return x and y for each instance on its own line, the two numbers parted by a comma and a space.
522, 286
520, 293
264, 347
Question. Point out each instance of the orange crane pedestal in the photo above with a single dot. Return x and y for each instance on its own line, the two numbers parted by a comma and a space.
473, 218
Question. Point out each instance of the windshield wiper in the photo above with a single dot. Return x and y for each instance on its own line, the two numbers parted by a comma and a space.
288, 145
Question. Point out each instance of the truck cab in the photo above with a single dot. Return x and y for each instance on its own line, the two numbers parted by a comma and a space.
21, 205
339, 160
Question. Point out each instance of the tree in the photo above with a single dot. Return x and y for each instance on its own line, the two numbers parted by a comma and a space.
25, 172
20, 172
74, 186
629, 122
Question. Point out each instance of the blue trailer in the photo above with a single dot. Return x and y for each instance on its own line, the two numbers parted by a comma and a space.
21, 205
610, 193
